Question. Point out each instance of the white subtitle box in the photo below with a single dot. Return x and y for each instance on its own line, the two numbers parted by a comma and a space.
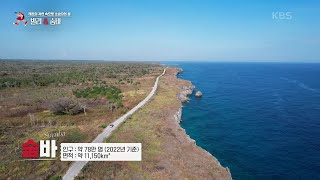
100, 152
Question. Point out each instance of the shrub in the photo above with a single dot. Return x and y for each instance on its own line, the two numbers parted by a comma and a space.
74, 136
66, 106
119, 104
112, 93
56, 178
103, 126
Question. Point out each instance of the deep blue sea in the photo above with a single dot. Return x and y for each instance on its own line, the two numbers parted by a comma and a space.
262, 120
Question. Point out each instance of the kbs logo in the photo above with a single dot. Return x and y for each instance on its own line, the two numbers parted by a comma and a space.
30, 149
282, 15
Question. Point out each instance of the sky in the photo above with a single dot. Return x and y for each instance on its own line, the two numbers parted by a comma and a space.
165, 30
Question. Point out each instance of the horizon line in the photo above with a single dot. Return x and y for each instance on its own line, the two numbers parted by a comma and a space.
157, 61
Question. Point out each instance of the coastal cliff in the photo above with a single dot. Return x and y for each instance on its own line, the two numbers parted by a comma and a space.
186, 90
167, 151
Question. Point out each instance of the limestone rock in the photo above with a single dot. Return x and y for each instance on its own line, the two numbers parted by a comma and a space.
198, 94
186, 91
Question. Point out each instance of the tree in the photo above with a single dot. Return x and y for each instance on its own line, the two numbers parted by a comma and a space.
84, 106
66, 106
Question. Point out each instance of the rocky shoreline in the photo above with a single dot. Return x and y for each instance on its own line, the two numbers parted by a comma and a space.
168, 152
185, 93
183, 96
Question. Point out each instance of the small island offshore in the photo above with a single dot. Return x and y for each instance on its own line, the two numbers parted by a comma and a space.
73, 101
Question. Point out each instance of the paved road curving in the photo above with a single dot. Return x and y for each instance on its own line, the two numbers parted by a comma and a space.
76, 167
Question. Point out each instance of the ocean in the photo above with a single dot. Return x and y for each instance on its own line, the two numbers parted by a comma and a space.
262, 120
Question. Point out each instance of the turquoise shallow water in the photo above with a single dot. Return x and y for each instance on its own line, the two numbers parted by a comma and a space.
262, 120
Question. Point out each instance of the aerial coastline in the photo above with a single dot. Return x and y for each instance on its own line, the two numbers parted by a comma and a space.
168, 152
184, 94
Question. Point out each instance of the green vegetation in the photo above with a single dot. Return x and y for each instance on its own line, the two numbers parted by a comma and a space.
75, 136
56, 178
103, 126
39, 98
112, 93
16, 74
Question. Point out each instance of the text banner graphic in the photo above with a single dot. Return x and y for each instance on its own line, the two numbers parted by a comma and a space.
100, 151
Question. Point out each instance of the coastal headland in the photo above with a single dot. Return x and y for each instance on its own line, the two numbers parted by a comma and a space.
168, 152
74, 101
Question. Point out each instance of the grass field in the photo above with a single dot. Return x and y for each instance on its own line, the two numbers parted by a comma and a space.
91, 93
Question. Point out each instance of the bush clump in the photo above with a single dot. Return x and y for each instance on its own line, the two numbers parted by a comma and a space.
112, 93
75, 136
56, 178
66, 106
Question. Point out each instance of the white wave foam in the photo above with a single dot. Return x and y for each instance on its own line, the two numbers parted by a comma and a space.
300, 84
